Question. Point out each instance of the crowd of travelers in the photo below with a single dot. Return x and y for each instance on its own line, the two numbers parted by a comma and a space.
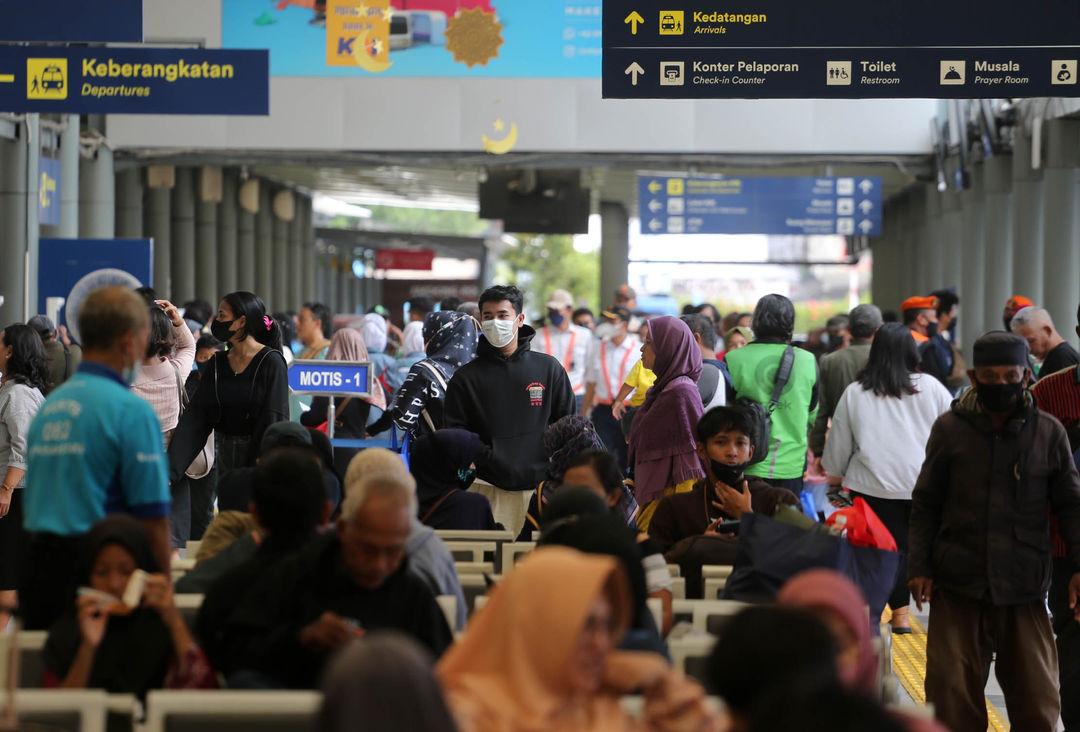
621, 442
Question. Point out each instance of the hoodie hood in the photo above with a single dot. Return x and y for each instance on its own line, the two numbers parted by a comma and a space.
525, 337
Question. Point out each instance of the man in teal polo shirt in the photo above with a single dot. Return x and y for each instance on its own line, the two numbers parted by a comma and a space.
94, 449
753, 373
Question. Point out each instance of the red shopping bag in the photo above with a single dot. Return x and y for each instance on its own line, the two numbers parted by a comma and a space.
863, 526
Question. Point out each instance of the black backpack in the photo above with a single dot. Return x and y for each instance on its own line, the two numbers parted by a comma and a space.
762, 415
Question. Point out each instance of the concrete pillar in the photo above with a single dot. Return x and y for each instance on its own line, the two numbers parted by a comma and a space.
950, 245
33, 186
129, 204
264, 245
183, 236
97, 191
158, 226
345, 278
296, 254
1061, 217
330, 270
892, 261
998, 250
13, 211
1027, 223
929, 272
206, 251
227, 234
971, 286
282, 269
614, 249
307, 252
69, 177
245, 251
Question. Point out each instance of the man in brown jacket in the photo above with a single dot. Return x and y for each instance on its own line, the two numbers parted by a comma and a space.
980, 541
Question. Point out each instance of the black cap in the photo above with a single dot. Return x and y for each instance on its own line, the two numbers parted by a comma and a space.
998, 348
43, 325
617, 312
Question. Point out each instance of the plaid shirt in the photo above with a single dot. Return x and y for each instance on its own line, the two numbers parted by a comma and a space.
1059, 395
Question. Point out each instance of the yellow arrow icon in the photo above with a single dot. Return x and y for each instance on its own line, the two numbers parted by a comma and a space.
633, 19
654, 187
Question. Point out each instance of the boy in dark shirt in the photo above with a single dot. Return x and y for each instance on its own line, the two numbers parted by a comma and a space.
726, 449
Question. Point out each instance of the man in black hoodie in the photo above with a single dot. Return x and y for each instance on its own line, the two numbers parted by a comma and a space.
508, 395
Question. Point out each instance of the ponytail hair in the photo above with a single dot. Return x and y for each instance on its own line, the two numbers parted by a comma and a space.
259, 325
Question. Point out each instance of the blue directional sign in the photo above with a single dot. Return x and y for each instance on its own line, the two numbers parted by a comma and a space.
845, 205
107, 80
330, 378
72, 21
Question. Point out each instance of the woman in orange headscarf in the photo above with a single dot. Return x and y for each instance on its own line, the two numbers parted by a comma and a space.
540, 656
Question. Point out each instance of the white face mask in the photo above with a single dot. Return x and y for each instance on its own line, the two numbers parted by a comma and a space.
499, 333
604, 331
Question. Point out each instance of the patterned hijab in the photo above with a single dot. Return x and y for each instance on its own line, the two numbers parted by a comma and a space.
451, 338
565, 439
348, 345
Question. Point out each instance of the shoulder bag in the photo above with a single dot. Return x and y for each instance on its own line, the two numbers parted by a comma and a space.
204, 462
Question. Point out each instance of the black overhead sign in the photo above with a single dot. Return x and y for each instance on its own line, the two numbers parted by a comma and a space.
841, 49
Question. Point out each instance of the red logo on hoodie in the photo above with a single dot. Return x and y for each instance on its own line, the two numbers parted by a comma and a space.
536, 394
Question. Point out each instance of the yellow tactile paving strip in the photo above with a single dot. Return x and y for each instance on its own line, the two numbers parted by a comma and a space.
909, 665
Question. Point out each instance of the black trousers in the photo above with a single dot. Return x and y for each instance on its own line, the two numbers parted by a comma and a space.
203, 495
12, 542
48, 578
896, 515
610, 433
1068, 644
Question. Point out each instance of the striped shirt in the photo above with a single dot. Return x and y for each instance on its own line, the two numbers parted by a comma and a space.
1059, 395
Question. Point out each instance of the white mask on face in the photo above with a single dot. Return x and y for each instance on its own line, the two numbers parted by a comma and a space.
604, 331
499, 333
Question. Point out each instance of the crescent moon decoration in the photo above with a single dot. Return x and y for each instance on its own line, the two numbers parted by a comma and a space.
364, 60
503, 146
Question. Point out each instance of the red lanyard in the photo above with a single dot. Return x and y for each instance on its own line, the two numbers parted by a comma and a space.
612, 391
569, 351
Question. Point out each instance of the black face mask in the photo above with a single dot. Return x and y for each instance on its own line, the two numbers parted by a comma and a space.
222, 330
931, 330
729, 475
1000, 398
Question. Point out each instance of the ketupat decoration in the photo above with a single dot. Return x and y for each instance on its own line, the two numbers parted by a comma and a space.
474, 37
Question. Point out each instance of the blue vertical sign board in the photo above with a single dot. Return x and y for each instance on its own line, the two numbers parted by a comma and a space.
63, 262
330, 378
800, 206
49, 192
72, 21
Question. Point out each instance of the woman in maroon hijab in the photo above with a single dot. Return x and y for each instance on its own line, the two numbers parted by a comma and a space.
662, 442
